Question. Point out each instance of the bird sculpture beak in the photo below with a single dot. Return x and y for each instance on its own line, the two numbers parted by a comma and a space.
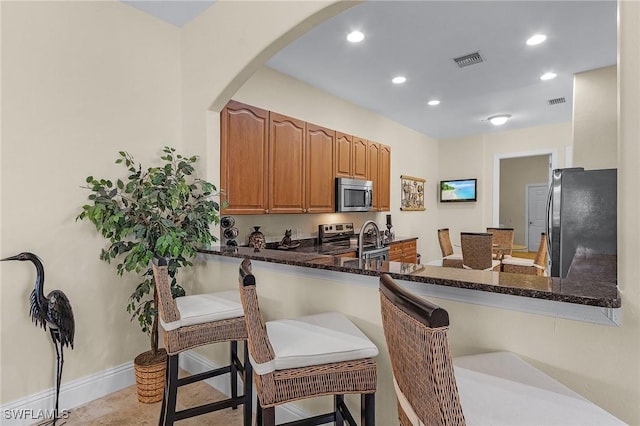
9, 258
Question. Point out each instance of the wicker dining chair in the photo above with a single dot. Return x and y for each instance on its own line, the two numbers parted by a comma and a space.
449, 258
294, 359
502, 238
191, 321
476, 251
496, 388
537, 266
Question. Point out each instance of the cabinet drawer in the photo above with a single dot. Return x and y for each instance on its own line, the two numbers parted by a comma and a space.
395, 257
410, 245
395, 248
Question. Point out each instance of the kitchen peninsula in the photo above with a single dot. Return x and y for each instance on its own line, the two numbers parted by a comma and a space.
593, 283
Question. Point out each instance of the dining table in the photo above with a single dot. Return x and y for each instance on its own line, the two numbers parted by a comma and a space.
499, 249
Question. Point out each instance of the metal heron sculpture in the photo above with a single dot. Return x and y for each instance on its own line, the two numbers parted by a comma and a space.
54, 311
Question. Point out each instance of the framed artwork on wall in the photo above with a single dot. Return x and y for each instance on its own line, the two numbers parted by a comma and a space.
412, 193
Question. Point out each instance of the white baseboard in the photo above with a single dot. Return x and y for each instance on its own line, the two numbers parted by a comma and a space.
30, 410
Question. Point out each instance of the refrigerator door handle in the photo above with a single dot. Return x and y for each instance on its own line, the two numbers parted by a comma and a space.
548, 222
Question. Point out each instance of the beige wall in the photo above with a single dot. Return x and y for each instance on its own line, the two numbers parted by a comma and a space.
515, 175
595, 114
218, 53
476, 156
80, 81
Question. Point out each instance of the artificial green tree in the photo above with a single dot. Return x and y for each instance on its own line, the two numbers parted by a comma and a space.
163, 211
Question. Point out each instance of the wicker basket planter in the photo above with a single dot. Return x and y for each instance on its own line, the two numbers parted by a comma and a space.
150, 375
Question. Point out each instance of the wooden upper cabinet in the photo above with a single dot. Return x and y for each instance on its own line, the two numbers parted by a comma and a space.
286, 164
350, 156
373, 155
244, 158
384, 179
319, 179
359, 161
378, 171
343, 155
271, 163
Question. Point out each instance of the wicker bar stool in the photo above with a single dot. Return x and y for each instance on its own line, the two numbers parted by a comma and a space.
324, 354
191, 321
537, 266
449, 258
497, 388
503, 238
476, 251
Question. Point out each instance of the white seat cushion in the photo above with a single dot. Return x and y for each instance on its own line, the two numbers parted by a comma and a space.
315, 340
409, 412
518, 261
453, 256
499, 388
202, 308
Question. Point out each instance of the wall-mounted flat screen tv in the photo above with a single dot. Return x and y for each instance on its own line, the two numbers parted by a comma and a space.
458, 190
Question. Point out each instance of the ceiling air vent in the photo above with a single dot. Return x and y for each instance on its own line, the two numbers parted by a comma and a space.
470, 59
556, 101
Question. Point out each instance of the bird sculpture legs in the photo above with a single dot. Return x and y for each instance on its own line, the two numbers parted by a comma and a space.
55, 337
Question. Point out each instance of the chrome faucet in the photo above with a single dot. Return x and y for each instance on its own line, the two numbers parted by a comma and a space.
361, 235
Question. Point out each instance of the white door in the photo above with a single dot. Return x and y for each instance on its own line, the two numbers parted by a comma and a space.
536, 214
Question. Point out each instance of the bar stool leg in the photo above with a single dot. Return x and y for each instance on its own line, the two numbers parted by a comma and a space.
269, 416
337, 400
368, 407
234, 371
258, 414
172, 380
248, 387
165, 393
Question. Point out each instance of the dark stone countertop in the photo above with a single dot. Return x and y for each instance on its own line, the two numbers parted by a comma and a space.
591, 279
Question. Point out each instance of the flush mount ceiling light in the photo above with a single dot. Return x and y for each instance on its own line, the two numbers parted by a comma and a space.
399, 79
548, 76
355, 36
536, 39
433, 102
499, 120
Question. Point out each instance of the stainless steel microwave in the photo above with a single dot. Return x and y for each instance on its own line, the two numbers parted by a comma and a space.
354, 195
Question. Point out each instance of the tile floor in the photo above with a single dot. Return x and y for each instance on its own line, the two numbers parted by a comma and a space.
122, 408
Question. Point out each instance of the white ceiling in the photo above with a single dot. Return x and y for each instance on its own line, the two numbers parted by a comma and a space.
419, 39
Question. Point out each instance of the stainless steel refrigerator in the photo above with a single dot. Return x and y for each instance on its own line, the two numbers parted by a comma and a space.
581, 215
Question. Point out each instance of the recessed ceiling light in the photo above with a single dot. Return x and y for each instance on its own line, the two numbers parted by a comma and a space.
536, 39
433, 102
355, 36
399, 79
548, 76
499, 120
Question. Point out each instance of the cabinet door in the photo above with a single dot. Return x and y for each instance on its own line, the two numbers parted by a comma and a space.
395, 252
244, 158
286, 164
410, 251
319, 180
373, 154
343, 155
359, 162
384, 179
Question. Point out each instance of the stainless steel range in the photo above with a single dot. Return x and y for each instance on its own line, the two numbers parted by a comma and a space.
368, 246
